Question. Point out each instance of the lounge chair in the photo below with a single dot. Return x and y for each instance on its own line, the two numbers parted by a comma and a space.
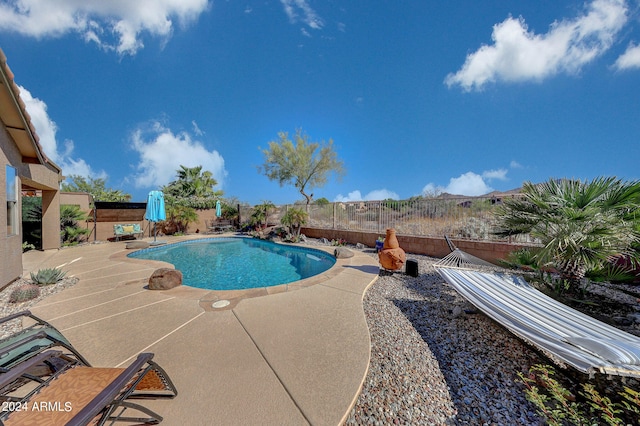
33, 339
75, 394
566, 336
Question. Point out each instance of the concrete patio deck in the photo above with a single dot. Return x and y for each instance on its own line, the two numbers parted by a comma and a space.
273, 357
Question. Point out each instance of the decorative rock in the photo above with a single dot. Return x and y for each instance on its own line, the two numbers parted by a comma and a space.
324, 241
623, 320
360, 246
414, 377
137, 245
342, 253
165, 279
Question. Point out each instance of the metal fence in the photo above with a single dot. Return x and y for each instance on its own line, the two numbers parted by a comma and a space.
465, 218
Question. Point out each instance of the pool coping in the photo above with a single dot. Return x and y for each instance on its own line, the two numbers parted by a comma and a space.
208, 297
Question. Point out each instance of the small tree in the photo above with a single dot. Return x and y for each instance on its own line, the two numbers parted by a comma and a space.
294, 218
301, 163
260, 215
321, 202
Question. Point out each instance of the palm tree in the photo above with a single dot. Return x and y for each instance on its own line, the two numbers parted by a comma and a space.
192, 181
294, 218
260, 215
70, 218
581, 225
192, 188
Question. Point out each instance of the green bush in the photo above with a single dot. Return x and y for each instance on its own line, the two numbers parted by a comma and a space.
524, 258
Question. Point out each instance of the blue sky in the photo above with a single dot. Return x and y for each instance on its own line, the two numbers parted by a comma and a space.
418, 96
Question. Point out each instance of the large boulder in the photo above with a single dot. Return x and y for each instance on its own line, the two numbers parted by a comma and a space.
165, 279
342, 253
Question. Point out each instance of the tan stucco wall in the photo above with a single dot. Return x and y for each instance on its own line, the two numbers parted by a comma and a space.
39, 176
430, 246
80, 199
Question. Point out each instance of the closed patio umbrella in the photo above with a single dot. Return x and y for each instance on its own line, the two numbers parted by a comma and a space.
218, 209
155, 210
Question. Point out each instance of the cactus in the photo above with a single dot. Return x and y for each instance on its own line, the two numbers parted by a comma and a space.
47, 276
24, 292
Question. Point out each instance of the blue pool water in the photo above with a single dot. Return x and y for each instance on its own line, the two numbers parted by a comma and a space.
239, 263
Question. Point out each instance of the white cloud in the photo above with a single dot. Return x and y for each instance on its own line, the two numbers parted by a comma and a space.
112, 25
196, 128
162, 153
469, 183
500, 174
375, 195
515, 165
46, 130
629, 59
352, 196
520, 55
432, 190
299, 10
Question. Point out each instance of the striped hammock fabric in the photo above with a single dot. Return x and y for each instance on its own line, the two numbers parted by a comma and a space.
566, 336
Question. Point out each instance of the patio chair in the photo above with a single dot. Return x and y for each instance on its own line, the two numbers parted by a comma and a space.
75, 394
32, 340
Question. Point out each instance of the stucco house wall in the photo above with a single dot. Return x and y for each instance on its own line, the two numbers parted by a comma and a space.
10, 245
21, 154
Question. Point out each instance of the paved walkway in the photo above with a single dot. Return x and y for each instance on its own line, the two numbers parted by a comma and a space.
273, 357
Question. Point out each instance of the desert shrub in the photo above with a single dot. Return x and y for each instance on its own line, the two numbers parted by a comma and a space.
559, 406
178, 219
524, 258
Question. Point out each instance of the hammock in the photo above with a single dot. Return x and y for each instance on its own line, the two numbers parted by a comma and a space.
566, 336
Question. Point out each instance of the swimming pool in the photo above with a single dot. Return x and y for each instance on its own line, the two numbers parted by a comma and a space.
239, 263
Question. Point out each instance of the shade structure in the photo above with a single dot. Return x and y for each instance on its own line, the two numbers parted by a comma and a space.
218, 209
155, 211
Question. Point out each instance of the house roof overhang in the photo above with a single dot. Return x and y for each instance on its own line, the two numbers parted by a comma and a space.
17, 121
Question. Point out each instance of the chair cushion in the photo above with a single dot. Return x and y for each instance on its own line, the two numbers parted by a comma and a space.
128, 229
64, 397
